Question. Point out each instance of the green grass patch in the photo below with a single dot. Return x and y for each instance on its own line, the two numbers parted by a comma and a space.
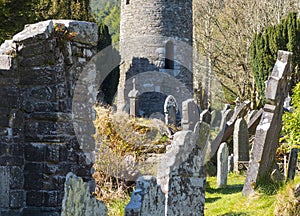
229, 200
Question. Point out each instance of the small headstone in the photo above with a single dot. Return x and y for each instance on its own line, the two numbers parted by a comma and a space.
78, 199
230, 163
216, 117
240, 144
226, 117
222, 166
277, 176
170, 109
190, 114
205, 116
293, 158
133, 97
146, 199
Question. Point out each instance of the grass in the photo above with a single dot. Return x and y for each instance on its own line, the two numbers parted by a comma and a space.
229, 200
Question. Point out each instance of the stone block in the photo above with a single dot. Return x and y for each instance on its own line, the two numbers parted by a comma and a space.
4, 186
5, 62
35, 152
16, 177
35, 198
16, 199
35, 32
86, 32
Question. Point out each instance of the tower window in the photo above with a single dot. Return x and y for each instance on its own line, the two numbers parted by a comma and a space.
169, 58
127, 2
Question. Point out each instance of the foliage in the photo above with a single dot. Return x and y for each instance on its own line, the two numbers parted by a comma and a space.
124, 144
286, 202
14, 14
291, 121
229, 200
264, 48
108, 13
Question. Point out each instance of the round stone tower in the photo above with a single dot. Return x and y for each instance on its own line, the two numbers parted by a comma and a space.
155, 35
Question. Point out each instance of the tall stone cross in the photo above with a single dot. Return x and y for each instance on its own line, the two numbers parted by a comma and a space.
268, 131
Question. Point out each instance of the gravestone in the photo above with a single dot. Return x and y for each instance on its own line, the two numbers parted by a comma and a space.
205, 116
146, 199
190, 114
226, 128
181, 173
230, 163
133, 98
78, 199
293, 158
226, 116
170, 109
268, 131
240, 145
222, 166
250, 115
216, 117
254, 121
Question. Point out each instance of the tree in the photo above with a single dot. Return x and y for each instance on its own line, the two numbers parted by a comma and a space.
234, 23
15, 14
284, 36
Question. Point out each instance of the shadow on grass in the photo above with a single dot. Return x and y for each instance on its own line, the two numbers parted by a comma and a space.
230, 189
235, 214
211, 199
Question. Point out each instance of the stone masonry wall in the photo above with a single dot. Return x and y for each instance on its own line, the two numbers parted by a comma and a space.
38, 146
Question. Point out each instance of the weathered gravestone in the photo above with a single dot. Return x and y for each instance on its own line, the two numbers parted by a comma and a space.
147, 199
226, 128
170, 110
216, 117
205, 116
78, 200
133, 97
293, 159
222, 166
190, 114
181, 173
226, 116
268, 131
250, 115
230, 163
240, 145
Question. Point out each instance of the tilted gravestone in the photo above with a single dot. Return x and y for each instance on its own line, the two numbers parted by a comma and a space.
170, 110
190, 114
146, 199
133, 97
240, 145
230, 163
205, 116
216, 117
226, 116
222, 166
293, 158
226, 128
268, 131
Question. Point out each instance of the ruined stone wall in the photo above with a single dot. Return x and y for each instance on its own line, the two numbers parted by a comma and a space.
145, 30
38, 145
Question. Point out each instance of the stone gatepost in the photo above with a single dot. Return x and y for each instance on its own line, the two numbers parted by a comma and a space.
134, 102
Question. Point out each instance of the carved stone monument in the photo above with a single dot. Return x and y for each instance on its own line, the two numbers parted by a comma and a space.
170, 110
268, 131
